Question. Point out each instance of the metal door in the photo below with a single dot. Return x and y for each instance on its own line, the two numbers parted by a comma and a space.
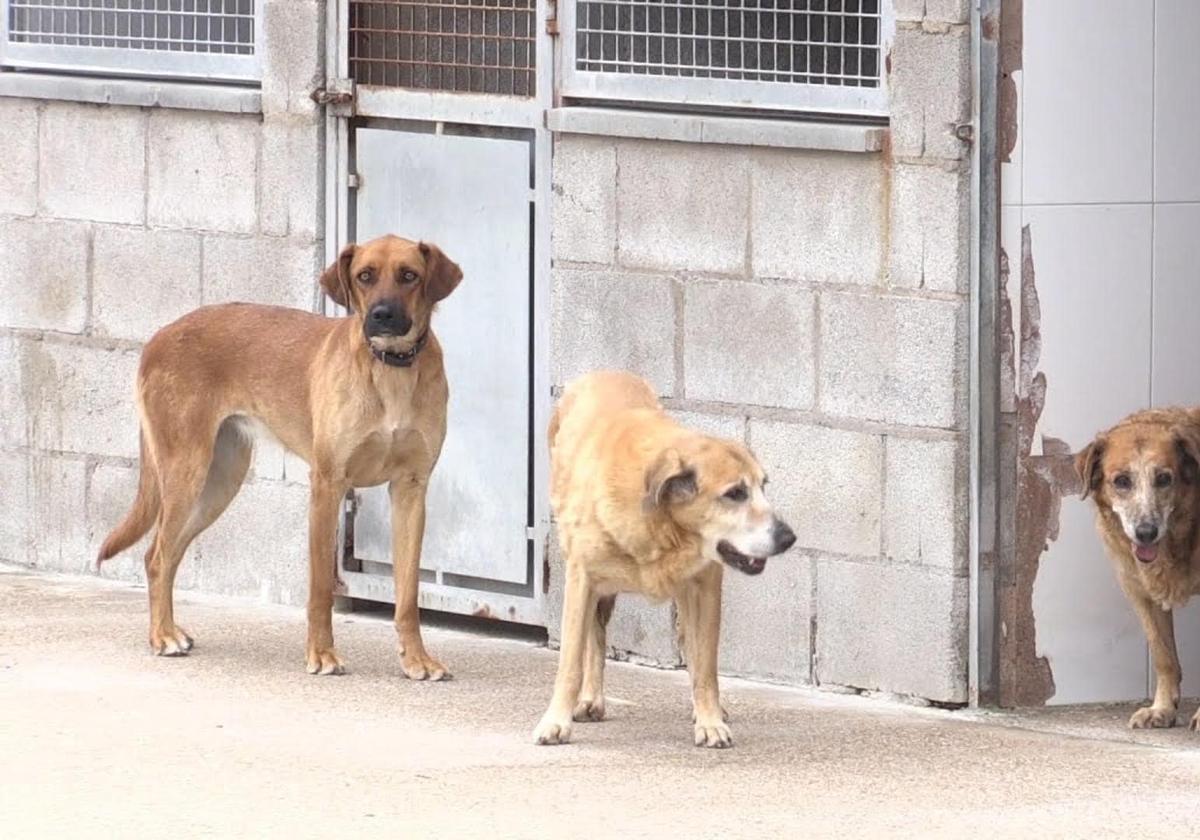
437, 133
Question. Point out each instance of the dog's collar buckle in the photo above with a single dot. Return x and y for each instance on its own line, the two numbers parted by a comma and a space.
404, 359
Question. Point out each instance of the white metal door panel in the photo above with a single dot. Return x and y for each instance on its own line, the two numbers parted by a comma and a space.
1176, 374
471, 196
1093, 282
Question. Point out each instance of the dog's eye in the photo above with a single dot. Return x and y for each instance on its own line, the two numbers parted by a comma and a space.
365, 278
1163, 479
737, 493
407, 276
1123, 482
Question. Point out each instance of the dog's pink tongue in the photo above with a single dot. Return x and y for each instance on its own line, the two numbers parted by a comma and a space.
1146, 553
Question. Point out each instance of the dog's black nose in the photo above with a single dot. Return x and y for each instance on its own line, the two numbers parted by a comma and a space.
1146, 533
784, 537
387, 318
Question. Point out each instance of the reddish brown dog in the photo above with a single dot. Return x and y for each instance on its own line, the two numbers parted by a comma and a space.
1144, 474
362, 399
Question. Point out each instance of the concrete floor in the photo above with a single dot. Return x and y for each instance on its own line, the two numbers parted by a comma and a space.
98, 738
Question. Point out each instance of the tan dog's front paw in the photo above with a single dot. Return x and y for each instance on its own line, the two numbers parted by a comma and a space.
172, 641
713, 733
422, 666
1153, 717
589, 710
552, 730
325, 663
1195, 724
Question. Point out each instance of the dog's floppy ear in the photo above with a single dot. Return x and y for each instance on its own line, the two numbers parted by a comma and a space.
669, 481
442, 274
1187, 444
335, 280
1087, 465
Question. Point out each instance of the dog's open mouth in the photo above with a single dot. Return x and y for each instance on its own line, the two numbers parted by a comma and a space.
1145, 553
732, 557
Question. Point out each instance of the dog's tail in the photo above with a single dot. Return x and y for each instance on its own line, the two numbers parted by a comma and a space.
143, 513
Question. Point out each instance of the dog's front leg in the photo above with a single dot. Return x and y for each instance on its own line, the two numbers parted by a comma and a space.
324, 499
579, 611
1159, 625
408, 531
699, 605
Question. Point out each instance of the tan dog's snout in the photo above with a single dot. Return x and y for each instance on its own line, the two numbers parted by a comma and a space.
783, 536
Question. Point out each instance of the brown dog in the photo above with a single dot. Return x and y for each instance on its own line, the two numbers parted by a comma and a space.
1144, 474
645, 505
362, 399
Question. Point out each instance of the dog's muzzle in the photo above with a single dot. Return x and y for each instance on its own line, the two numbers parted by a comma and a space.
386, 319
782, 538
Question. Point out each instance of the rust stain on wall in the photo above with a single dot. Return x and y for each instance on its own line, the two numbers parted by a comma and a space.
1041, 482
1011, 49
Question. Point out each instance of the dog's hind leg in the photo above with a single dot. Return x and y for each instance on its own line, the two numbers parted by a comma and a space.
197, 487
591, 696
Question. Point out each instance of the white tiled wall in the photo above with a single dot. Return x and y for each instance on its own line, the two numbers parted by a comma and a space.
1106, 176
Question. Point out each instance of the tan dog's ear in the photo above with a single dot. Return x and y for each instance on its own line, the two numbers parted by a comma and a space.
1187, 444
335, 280
669, 481
1087, 465
442, 274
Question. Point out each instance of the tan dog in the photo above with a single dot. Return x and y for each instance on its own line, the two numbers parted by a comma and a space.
1144, 475
645, 505
362, 399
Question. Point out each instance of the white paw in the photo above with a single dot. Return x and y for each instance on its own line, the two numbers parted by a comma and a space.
1152, 717
552, 730
713, 733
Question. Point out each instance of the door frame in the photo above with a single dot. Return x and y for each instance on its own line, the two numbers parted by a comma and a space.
437, 109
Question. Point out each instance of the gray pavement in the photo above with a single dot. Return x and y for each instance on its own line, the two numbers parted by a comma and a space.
100, 739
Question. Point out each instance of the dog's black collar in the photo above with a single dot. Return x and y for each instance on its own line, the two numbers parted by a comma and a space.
404, 359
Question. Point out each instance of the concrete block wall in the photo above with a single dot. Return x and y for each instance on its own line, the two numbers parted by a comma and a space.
114, 221
814, 305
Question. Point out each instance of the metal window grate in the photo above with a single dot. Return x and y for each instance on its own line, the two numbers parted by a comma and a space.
471, 46
211, 38
810, 42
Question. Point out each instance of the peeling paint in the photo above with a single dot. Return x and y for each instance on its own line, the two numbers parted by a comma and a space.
1011, 52
1041, 482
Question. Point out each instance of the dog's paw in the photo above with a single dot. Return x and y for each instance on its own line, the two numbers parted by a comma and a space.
325, 663
422, 666
1195, 724
713, 733
1152, 717
552, 730
173, 641
589, 710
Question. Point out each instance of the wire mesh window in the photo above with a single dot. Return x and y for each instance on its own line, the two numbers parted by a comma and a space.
201, 38
467, 46
740, 52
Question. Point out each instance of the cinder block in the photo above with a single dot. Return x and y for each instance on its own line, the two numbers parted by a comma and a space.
894, 360
291, 184
203, 171
930, 92
13, 426
766, 621
947, 11
748, 343
727, 426
682, 206
901, 629
273, 271
142, 280
908, 11
639, 629
93, 162
78, 399
42, 512
43, 274
925, 512
585, 199
259, 546
111, 492
930, 222
19, 163
606, 319
825, 483
293, 55
817, 216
